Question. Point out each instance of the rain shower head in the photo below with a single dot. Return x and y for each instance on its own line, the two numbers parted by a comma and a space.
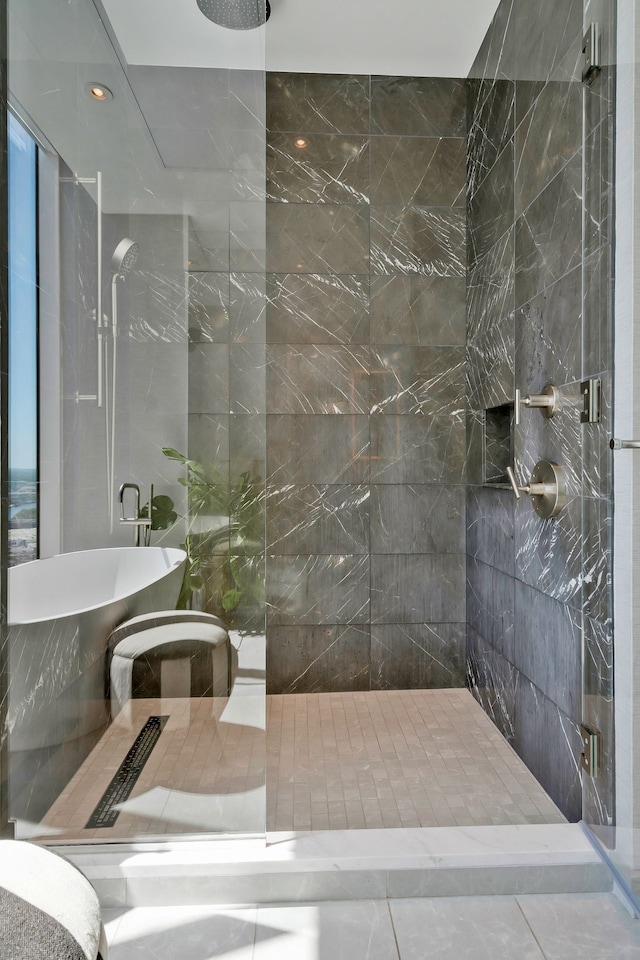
236, 14
124, 256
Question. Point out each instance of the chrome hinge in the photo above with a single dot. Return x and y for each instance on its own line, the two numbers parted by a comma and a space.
591, 391
590, 759
591, 51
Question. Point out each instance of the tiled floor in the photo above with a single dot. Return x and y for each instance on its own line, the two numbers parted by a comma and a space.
416, 758
543, 927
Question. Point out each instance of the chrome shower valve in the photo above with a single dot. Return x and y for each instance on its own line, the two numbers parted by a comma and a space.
547, 488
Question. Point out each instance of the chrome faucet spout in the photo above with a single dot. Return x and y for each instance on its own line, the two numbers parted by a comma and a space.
136, 521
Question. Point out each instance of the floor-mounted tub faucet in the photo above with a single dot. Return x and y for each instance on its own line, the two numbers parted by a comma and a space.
136, 521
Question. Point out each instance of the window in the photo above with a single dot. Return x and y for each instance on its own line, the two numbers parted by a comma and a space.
23, 345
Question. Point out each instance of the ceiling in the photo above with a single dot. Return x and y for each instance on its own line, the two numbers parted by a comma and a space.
428, 38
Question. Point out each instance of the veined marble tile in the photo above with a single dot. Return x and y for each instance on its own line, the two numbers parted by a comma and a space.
318, 589
417, 588
425, 380
320, 379
318, 659
591, 925
425, 240
416, 656
491, 111
339, 452
317, 103
417, 170
318, 519
317, 168
417, 518
429, 311
317, 308
416, 106
317, 238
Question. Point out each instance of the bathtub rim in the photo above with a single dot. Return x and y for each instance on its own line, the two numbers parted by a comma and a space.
181, 557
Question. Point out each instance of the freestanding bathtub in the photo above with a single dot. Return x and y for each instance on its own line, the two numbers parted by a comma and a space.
61, 612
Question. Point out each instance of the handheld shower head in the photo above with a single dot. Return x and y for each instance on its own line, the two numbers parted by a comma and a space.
124, 256
236, 14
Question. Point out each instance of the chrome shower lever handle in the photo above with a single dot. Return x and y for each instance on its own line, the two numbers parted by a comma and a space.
547, 488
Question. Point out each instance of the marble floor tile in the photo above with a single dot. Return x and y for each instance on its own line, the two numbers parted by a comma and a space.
180, 933
593, 926
358, 930
457, 928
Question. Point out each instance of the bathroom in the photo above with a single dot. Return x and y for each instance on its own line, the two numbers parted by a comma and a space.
324, 356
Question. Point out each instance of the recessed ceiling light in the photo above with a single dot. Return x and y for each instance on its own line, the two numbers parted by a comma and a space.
300, 142
98, 91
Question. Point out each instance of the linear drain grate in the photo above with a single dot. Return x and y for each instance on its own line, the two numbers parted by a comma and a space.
105, 814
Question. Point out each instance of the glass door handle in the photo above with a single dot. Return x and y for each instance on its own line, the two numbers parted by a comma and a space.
616, 444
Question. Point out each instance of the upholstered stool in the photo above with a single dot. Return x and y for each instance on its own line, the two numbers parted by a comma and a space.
48, 909
172, 653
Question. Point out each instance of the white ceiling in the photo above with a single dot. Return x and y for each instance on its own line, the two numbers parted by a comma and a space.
428, 38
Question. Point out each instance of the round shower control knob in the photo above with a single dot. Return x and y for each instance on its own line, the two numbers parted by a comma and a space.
547, 488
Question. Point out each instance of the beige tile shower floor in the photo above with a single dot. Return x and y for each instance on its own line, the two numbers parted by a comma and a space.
415, 758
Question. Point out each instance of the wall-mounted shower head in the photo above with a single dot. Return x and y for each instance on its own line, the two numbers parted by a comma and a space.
236, 14
124, 256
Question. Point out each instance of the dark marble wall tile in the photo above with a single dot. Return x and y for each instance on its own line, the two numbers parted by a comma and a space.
317, 168
315, 659
415, 106
318, 519
493, 680
317, 103
426, 240
417, 449
429, 311
305, 378
417, 518
491, 206
247, 378
549, 552
317, 238
491, 106
549, 233
598, 713
597, 323
490, 527
490, 365
208, 307
597, 559
417, 588
491, 605
549, 743
417, 656
547, 647
318, 590
418, 170
549, 335
474, 467
208, 438
322, 308
208, 378
491, 288
424, 380
548, 137
247, 236
247, 444
247, 307
338, 453
544, 36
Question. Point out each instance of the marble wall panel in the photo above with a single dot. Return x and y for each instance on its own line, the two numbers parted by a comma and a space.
417, 449
426, 240
548, 137
426, 311
599, 791
312, 589
317, 238
247, 308
318, 519
491, 606
208, 378
549, 743
416, 106
208, 307
317, 103
549, 335
417, 655
490, 527
491, 206
418, 170
493, 680
339, 452
549, 233
318, 379
418, 380
317, 168
314, 659
248, 369
491, 126
318, 308
417, 588
417, 518
547, 647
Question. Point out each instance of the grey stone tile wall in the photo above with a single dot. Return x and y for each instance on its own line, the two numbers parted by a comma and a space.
365, 382
538, 311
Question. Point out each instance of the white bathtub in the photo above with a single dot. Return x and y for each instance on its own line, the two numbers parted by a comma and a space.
61, 612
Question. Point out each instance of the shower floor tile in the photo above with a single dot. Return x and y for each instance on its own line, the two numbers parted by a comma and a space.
333, 761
